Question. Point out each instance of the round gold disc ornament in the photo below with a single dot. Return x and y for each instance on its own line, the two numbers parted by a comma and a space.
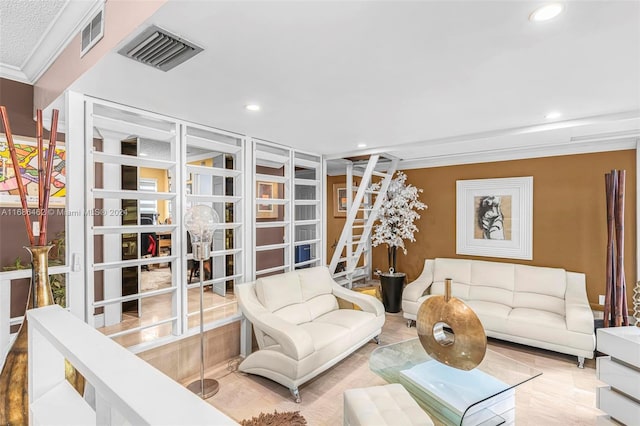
450, 331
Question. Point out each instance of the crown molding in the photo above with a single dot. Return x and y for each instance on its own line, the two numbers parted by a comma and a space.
58, 35
550, 150
13, 73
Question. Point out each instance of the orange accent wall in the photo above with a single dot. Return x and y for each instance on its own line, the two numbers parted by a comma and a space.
569, 214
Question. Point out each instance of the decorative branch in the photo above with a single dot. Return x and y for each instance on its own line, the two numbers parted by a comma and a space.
16, 169
47, 178
40, 161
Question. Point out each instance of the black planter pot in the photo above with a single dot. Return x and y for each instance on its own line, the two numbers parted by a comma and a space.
392, 285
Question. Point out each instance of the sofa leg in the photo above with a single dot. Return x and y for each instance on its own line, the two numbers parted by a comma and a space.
580, 362
410, 323
296, 395
376, 339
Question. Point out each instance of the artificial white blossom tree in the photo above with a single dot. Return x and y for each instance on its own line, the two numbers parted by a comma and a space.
396, 217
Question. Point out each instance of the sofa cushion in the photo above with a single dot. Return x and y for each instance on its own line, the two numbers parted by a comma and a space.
538, 325
278, 291
493, 274
493, 316
320, 305
359, 323
459, 270
492, 282
314, 282
540, 288
297, 313
458, 289
324, 333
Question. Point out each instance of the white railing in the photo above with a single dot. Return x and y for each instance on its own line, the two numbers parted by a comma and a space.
127, 389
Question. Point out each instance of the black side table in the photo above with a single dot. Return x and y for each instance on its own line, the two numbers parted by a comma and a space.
392, 285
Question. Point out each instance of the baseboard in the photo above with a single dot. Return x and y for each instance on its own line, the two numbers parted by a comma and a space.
98, 321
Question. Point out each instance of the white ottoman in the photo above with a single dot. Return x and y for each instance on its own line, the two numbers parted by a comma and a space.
382, 405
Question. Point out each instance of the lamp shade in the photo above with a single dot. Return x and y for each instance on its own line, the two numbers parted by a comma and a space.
200, 220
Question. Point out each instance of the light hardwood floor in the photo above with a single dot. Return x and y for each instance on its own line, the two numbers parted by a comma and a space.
563, 395
157, 308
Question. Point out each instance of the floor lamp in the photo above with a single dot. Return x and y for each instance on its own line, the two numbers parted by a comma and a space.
200, 221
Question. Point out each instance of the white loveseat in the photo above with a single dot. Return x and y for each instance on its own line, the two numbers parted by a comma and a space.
299, 327
535, 306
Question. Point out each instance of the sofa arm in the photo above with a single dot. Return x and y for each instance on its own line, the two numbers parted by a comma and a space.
294, 340
414, 290
367, 303
578, 313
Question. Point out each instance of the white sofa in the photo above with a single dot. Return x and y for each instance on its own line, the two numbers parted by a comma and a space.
299, 327
531, 305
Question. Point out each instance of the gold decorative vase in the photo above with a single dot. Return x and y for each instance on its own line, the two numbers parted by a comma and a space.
450, 332
14, 390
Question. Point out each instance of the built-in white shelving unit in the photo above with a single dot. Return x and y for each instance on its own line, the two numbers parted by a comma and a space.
288, 187
620, 370
213, 175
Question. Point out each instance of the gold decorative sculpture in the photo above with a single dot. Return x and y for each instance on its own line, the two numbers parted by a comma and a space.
14, 395
14, 404
465, 345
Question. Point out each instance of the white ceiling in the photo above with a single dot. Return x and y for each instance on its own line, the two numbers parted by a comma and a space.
427, 80
33, 32
22, 29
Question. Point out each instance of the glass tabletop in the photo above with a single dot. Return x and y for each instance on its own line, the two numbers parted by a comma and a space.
484, 395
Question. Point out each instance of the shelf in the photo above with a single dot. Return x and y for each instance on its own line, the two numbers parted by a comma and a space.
276, 224
306, 202
306, 262
306, 163
212, 145
307, 222
271, 247
136, 296
213, 171
128, 128
132, 195
307, 182
270, 178
130, 160
279, 201
134, 262
282, 268
314, 241
213, 198
269, 156
108, 230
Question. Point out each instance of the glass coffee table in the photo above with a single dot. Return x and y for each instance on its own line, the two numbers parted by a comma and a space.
484, 395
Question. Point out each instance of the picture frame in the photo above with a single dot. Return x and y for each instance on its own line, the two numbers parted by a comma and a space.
494, 217
26, 150
267, 191
339, 200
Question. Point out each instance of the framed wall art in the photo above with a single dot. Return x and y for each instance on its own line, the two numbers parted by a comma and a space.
339, 200
26, 151
267, 191
494, 217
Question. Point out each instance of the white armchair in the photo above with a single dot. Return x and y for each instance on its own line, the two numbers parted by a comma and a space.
299, 327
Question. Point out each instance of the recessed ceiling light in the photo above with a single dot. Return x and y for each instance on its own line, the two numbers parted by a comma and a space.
362, 145
546, 12
252, 107
553, 115
142, 154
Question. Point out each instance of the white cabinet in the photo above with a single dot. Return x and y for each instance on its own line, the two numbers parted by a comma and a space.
620, 370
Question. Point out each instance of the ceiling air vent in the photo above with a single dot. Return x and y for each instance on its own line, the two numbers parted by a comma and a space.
92, 33
159, 49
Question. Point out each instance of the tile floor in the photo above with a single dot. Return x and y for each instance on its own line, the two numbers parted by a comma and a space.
563, 395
